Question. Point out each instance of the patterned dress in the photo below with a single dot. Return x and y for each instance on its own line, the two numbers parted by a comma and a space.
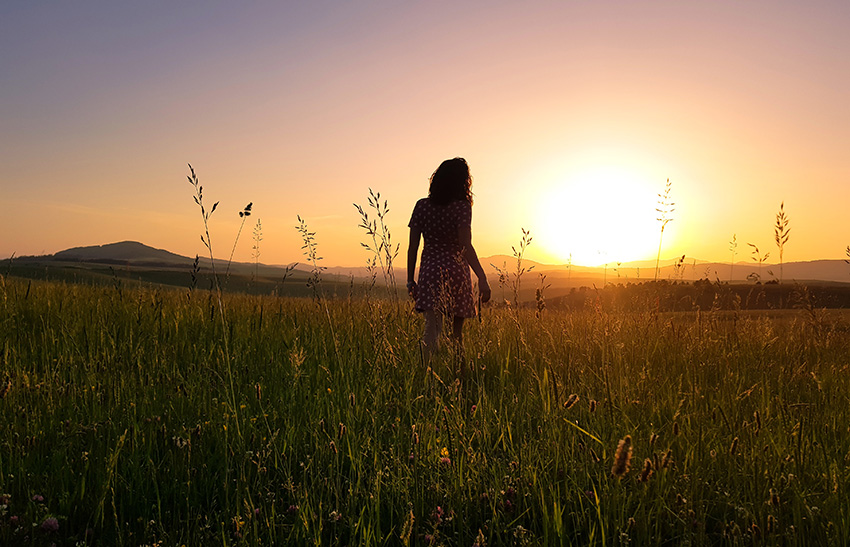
444, 281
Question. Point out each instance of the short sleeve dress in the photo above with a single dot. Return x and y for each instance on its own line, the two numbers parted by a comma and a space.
444, 280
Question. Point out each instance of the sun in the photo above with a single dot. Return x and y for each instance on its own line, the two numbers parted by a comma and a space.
601, 215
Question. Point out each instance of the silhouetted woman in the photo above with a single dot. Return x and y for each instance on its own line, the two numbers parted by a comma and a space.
444, 221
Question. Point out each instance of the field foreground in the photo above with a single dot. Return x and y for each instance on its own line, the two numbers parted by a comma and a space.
142, 416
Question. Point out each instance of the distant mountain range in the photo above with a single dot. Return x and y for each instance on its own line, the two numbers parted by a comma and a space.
132, 254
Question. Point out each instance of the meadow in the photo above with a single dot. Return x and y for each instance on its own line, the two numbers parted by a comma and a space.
149, 416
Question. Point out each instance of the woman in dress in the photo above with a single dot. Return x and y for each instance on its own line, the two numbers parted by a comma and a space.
444, 221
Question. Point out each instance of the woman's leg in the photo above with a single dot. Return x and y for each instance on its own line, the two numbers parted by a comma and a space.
457, 331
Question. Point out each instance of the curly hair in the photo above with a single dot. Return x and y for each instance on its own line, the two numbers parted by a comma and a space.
451, 182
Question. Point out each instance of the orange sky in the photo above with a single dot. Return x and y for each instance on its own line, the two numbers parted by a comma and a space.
572, 116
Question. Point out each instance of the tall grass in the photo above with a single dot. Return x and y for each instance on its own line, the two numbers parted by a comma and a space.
117, 423
781, 233
665, 208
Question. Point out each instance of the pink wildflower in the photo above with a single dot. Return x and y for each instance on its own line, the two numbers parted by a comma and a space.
50, 524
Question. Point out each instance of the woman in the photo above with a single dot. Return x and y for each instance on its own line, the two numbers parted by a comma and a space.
444, 221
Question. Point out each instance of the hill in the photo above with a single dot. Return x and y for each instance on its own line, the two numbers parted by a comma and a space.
143, 263
122, 252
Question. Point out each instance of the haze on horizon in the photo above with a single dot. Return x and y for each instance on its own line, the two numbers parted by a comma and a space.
572, 116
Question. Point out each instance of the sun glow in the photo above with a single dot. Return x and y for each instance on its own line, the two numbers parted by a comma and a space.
600, 215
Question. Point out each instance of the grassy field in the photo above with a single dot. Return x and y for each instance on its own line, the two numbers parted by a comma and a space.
142, 416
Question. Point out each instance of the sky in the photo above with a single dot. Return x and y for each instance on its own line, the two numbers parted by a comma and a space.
573, 115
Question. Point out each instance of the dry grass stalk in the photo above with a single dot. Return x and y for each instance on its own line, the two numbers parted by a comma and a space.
774, 498
407, 529
593, 405
733, 449
572, 400
622, 458
771, 524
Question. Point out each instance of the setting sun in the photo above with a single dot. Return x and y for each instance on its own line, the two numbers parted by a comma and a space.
600, 215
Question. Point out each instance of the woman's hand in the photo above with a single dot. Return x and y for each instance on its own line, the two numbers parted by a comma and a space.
484, 290
412, 289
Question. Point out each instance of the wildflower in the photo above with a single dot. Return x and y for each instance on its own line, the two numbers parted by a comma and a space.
622, 458
5, 499
437, 515
292, 509
444, 456
474, 408
335, 516
50, 524
38, 499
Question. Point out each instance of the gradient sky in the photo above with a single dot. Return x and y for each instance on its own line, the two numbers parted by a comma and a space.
572, 116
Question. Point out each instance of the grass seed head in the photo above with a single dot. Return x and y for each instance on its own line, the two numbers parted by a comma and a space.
593, 405
622, 458
668, 459
572, 400
647, 470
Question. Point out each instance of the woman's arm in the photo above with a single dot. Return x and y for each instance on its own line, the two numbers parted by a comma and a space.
412, 253
465, 238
